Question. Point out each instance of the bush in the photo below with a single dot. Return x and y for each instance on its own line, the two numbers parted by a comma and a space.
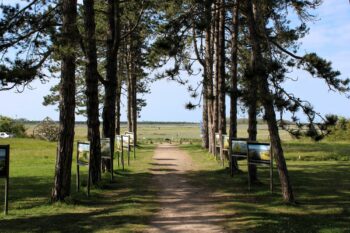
12, 126
47, 130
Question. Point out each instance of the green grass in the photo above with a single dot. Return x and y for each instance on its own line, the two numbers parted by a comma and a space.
322, 189
124, 205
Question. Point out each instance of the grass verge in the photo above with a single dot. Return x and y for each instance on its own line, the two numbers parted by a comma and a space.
125, 205
321, 187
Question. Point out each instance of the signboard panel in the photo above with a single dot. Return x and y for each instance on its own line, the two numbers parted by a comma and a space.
118, 143
126, 141
131, 137
259, 152
83, 152
239, 147
4, 161
226, 142
105, 148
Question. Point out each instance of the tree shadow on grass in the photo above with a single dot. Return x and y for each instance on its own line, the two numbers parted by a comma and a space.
321, 189
125, 202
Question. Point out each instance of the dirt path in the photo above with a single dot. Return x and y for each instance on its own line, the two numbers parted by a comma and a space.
184, 208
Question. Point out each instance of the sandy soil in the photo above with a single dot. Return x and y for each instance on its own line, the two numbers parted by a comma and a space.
184, 208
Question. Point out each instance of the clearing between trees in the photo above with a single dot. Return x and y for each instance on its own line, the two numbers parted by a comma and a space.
184, 207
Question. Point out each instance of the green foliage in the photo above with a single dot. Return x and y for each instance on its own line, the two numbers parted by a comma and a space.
12, 126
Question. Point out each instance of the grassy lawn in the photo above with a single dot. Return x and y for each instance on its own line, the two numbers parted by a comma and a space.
321, 181
124, 205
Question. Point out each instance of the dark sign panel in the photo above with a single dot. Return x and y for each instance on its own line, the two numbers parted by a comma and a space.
4, 161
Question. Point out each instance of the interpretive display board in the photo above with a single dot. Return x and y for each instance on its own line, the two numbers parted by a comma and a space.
119, 145
105, 148
239, 147
239, 151
83, 154
83, 159
260, 154
132, 143
5, 171
106, 153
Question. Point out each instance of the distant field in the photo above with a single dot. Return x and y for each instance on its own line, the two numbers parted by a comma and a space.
175, 132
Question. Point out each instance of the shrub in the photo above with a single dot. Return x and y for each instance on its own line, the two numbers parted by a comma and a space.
47, 130
12, 126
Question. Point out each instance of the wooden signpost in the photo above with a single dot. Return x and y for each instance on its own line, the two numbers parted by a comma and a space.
83, 159
221, 145
119, 149
5, 171
106, 153
260, 154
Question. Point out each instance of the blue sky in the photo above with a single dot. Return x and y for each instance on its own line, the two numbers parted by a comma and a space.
329, 36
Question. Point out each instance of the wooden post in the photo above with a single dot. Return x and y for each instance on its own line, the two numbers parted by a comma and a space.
78, 170
7, 182
89, 178
122, 156
112, 166
271, 170
129, 150
134, 145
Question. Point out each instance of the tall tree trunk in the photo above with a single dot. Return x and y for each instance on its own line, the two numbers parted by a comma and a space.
109, 108
118, 98
205, 124
62, 181
216, 46
129, 86
134, 106
92, 92
209, 74
221, 69
234, 80
267, 101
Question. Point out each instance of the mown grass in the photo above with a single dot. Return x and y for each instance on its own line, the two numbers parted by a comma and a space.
322, 189
122, 206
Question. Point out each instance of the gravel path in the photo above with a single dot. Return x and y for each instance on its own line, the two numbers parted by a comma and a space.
184, 208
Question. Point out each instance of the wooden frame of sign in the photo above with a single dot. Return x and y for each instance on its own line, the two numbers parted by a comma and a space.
260, 154
106, 153
83, 159
5, 171
239, 151
119, 148
224, 142
132, 142
126, 144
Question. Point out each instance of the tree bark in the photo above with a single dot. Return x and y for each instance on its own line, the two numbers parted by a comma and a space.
267, 101
109, 108
118, 98
234, 80
91, 76
209, 74
62, 180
